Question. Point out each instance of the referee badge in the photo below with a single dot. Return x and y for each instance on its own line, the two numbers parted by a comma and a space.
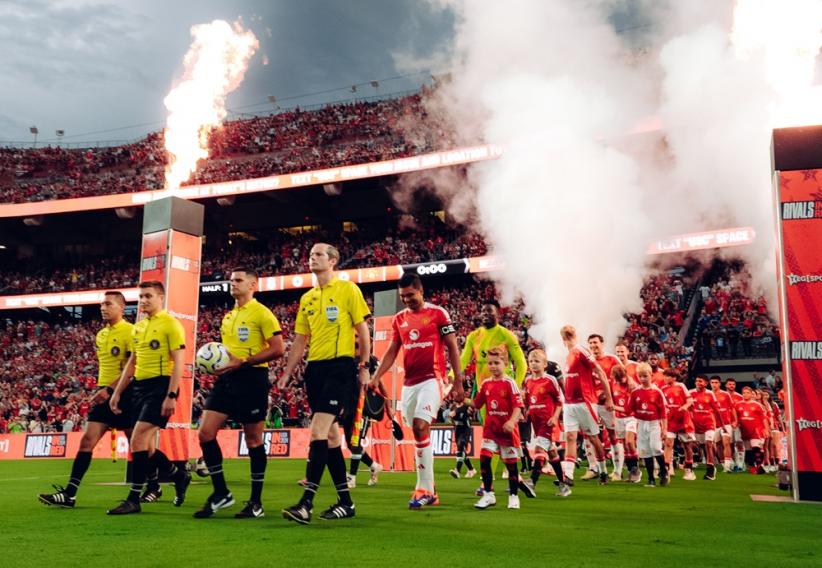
243, 333
154, 344
332, 313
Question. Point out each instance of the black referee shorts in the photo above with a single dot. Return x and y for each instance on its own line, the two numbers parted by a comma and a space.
463, 436
103, 414
331, 386
149, 395
241, 394
524, 431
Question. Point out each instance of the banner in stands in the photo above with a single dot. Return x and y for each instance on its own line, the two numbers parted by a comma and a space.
285, 181
799, 206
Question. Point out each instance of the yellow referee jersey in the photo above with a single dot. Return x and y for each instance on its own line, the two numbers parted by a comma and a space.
113, 349
246, 330
328, 315
153, 340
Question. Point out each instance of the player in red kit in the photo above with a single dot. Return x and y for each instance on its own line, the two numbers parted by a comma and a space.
500, 434
625, 424
679, 422
543, 406
623, 353
578, 412
739, 451
752, 423
423, 330
596, 344
647, 404
724, 434
706, 416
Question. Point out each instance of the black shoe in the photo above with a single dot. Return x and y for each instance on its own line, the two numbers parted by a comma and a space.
664, 480
299, 513
58, 499
603, 479
338, 511
151, 495
180, 488
568, 482
527, 487
125, 508
213, 504
710, 476
251, 510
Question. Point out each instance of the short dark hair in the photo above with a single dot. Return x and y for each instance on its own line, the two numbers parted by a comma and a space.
598, 336
716, 378
156, 284
248, 271
117, 295
671, 373
410, 279
703, 377
491, 302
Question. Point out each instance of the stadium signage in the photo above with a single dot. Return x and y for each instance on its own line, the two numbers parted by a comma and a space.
803, 424
444, 441
794, 279
806, 350
45, 446
800, 210
213, 287
706, 240
277, 443
448, 267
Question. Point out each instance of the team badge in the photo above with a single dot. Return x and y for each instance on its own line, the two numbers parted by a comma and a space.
493, 404
414, 334
115, 350
243, 333
332, 313
154, 344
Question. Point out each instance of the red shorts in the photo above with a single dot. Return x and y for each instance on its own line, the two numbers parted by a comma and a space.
680, 423
540, 424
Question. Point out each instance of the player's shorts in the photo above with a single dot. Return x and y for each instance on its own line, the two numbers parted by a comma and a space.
737, 434
421, 401
463, 438
707, 436
683, 436
702, 428
508, 454
580, 417
543, 445
754, 443
726, 431
625, 425
539, 422
241, 394
524, 431
649, 438
607, 417
149, 395
330, 385
103, 414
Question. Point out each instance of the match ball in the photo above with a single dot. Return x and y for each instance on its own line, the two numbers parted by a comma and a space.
211, 357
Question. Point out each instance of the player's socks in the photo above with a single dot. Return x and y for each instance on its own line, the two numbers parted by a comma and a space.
460, 461
537, 469
164, 466
317, 458
356, 458
749, 457
152, 480
424, 458
602, 466
257, 463
649, 467
557, 465
739, 458
486, 474
568, 467
139, 464
590, 454
631, 461
336, 468
468, 463
213, 457
663, 467
366, 460
513, 478
78, 470
619, 457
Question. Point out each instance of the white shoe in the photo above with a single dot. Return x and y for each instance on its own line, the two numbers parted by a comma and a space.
513, 501
375, 471
470, 473
689, 475
590, 474
563, 490
352, 481
487, 500
615, 476
454, 473
505, 474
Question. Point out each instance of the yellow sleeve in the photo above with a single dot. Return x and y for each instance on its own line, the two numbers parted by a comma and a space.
357, 306
467, 351
517, 357
176, 335
269, 325
301, 323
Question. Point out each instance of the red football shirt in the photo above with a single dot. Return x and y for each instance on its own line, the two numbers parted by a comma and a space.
676, 395
542, 395
724, 403
420, 334
647, 403
579, 376
705, 410
751, 416
607, 362
500, 397
622, 394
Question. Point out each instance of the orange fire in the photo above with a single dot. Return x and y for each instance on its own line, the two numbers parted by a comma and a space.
214, 66
784, 37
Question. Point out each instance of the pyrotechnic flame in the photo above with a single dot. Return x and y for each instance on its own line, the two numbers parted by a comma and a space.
785, 38
214, 66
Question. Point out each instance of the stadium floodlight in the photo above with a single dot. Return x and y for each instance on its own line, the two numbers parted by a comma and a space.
332, 189
36, 221
272, 99
125, 212
226, 201
34, 130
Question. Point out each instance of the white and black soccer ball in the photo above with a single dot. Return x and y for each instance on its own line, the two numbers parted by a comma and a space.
211, 357
200, 468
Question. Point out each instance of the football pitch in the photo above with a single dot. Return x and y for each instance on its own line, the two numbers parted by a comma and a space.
695, 523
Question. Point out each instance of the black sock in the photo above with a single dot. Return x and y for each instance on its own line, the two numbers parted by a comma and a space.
78, 470
486, 473
557, 465
367, 461
631, 462
467, 462
317, 458
164, 466
336, 468
524, 460
356, 458
663, 467
460, 460
537, 471
152, 478
213, 457
258, 461
139, 464
749, 459
513, 478
649, 466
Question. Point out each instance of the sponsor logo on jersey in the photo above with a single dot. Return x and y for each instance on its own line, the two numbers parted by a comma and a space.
414, 334
332, 313
243, 333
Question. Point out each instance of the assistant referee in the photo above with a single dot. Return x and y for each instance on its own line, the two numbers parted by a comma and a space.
327, 318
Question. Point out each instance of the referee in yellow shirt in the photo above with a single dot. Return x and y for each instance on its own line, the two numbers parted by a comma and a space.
113, 344
327, 318
156, 365
253, 337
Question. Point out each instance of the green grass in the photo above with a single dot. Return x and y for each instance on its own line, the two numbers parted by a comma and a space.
689, 523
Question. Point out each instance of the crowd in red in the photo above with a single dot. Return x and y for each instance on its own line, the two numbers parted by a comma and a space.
290, 141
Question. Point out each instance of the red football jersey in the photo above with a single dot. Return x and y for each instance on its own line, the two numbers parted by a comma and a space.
676, 395
736, 398
542, 397
607, 362
579, 376
622, 394
724, 403
420, 334
751, 416
500, 397
647, 403
630, 369
705, 410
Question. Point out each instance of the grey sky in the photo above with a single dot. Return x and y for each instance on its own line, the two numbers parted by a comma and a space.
96, 66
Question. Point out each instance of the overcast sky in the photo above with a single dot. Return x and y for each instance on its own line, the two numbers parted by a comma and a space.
94, 67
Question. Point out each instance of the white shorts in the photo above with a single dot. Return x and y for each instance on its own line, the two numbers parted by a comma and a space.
607, 417
709, 436
725, 431
754, 443
421, 401
683, 436
737, 434
649, 438
505, 452
625, 425
543, 443
580, 417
